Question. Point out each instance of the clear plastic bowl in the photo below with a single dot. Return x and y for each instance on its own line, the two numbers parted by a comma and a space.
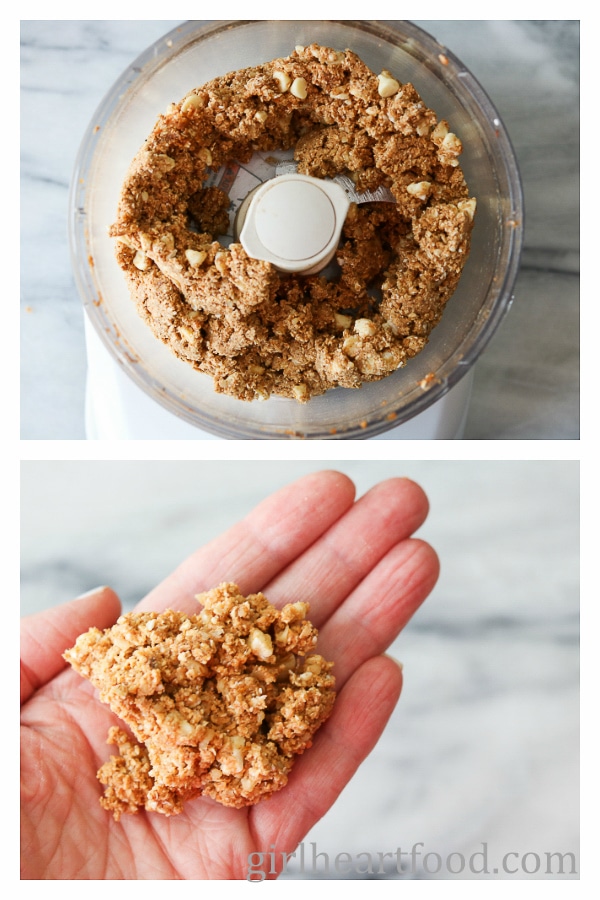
191, 55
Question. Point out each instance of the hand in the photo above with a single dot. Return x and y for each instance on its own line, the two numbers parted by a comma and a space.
364, 577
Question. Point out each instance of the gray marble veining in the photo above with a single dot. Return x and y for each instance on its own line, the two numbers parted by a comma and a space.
526, 383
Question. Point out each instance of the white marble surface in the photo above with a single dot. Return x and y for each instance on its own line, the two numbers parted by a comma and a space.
483, 746
526, 384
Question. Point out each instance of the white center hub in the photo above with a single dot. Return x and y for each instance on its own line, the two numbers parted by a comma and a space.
294, 222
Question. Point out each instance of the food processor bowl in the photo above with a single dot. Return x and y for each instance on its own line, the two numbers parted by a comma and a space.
196, 52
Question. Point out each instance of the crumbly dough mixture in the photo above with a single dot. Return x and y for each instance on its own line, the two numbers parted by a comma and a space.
255, 330
219, 703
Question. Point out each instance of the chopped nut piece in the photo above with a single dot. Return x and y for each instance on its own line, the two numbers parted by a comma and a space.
195, 257
221, 262
365, 328
339, 93
283, 80
163, 162
282, 636
419, 189
343, 321
192, 101
440, 131
468, 207
351, 345
451, 143
298, 88
300, 392
387, 86
140, 261
168, 241
187, 333
260, 643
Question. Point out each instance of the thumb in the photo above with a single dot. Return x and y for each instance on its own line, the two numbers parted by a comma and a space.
46, 635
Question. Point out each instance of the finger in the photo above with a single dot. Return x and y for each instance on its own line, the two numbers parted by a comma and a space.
335, 564
253, 551
46, 635
359, 716
375, 613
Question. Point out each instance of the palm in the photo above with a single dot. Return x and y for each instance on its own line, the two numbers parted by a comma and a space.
364, 578
66, 724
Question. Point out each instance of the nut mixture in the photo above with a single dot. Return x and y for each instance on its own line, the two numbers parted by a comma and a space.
255, 330
219, 703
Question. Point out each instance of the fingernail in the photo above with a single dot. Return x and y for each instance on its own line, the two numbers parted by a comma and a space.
96, 590
397, 661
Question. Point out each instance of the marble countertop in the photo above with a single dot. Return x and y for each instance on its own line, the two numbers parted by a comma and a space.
526, 382
483, 746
